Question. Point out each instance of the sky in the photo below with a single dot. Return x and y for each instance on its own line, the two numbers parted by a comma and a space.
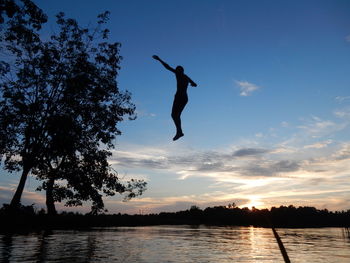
268, 123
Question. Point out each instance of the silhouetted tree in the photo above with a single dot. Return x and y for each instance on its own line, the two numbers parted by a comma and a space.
231, 206
20, 43
194, 208
60, 109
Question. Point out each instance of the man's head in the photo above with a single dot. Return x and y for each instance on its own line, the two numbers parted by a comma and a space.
180, 69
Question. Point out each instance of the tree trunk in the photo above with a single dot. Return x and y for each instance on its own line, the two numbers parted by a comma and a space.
50, 202
16, 200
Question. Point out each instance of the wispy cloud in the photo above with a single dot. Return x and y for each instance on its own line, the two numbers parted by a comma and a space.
343, 153
318, 145
141, 113
317, 127
246, 88
342, 98
249, 152
285, 124
343, 113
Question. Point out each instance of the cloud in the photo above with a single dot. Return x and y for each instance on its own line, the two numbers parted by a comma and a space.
284, 124
317, 127
150, 158
198, 161
268, 168
144, 113
341, 99
246, 88
249, 152
342, 113
343, 153
219, 166
211, 166
318, 145
150, 162
285, 166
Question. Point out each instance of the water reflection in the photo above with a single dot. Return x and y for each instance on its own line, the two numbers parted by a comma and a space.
346, 233
43, 240
7, 247
175, 244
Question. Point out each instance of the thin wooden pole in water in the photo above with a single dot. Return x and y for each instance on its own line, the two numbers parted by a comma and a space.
281, 246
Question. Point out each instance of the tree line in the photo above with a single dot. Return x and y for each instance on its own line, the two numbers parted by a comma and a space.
59, 107
283, 216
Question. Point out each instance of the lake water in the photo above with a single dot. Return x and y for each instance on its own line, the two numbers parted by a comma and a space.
176, 244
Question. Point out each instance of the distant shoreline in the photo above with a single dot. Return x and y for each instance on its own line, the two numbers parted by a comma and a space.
281, 217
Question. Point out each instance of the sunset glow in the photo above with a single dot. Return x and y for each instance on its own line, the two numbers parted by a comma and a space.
254, 201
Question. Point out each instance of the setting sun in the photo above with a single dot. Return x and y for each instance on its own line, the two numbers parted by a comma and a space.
254, 201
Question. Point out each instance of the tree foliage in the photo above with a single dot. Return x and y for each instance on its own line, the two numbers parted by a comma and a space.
60, 106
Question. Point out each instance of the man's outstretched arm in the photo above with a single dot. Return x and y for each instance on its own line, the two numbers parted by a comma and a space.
193, 84
164, 64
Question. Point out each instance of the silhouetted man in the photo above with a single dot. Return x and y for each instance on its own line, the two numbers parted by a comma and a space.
181, 97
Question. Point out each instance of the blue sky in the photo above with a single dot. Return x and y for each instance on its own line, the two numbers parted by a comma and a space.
268, 124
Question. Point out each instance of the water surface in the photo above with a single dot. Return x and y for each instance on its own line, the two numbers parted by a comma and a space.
176, 244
